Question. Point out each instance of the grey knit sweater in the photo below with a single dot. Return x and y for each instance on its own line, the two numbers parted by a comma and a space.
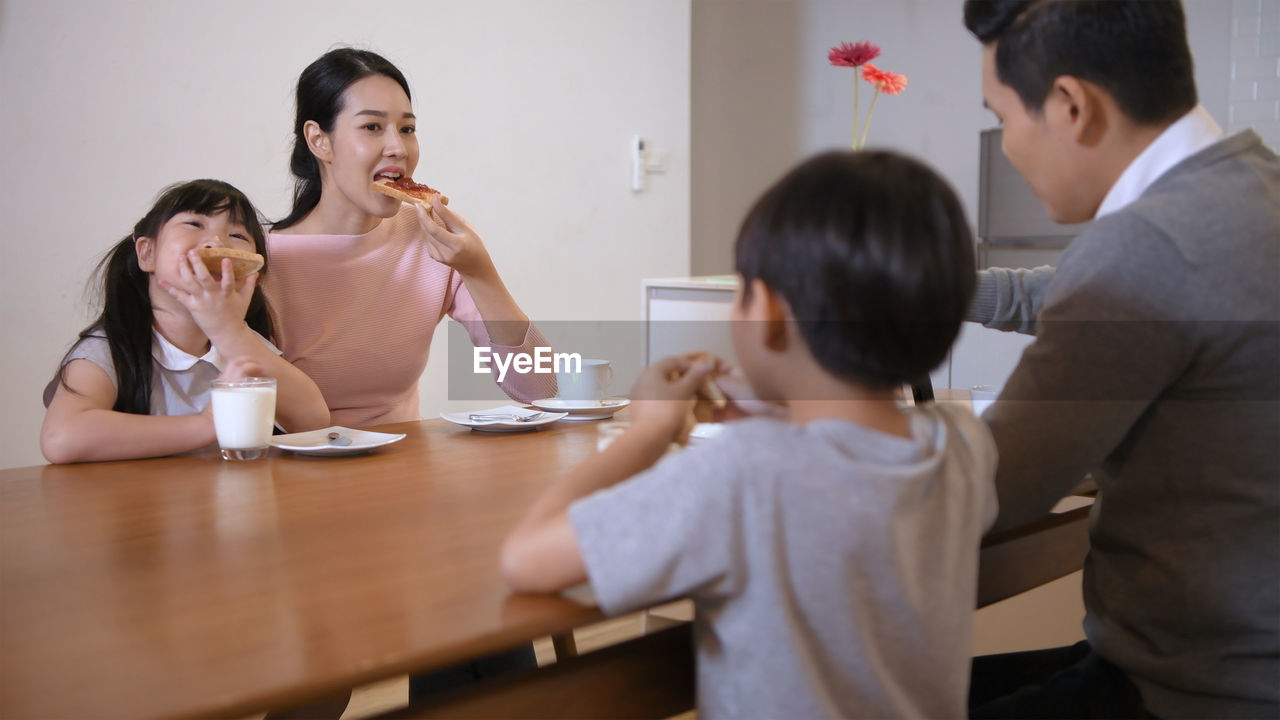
1156, 366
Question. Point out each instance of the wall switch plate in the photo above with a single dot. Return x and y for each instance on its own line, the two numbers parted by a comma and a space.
645, 160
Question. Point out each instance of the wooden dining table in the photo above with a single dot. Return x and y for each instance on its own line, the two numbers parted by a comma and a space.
196, 587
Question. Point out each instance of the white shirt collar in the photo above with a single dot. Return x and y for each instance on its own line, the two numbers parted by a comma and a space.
1192, 133
173, 358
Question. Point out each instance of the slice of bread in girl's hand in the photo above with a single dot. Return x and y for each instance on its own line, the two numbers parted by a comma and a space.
243, 262
406, 190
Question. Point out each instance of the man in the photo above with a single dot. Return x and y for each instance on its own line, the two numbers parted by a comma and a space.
1156, 365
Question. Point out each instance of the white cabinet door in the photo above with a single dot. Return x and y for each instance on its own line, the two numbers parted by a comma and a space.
685, 319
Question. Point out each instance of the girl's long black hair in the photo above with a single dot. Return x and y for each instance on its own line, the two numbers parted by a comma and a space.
123, 288
319, 98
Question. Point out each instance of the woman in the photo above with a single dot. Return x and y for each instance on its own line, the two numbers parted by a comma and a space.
360, 280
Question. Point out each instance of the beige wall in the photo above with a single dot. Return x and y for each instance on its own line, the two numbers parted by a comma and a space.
526, 112
764, 95
527, 109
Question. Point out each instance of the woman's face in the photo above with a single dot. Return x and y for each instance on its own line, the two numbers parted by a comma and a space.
373, 136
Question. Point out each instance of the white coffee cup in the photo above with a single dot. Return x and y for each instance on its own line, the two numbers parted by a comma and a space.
584, 386
244, 412
982, 397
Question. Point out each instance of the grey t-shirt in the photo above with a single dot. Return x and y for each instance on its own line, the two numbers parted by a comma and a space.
833, 567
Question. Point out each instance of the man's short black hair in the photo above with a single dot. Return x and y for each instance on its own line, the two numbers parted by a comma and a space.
873, 253
1136, 50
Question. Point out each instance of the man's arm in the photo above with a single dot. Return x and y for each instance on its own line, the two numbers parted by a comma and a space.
1105, 351
1010, 299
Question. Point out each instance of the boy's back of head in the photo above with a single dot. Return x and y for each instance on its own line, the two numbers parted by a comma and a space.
1136, 50
873, 254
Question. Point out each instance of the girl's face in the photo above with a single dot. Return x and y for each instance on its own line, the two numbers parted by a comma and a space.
373, 136
162, 255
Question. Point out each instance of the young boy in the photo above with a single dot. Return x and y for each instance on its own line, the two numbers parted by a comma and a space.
831, 553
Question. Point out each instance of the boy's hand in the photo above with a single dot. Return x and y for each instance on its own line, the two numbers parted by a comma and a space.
663, 396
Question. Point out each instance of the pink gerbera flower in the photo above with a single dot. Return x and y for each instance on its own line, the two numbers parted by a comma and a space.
893, 83
889, 83
860, 55
853, 54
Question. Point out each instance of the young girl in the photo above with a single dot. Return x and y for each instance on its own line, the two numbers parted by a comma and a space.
360, 280
137, 383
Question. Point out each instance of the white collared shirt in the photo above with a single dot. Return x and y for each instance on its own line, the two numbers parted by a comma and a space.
1190, 134
179, 381
175, 359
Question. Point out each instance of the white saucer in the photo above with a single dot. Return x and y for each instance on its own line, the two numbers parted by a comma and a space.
316, 442
583, 409
464, 418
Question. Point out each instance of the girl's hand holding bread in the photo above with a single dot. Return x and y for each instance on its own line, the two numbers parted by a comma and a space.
217, 305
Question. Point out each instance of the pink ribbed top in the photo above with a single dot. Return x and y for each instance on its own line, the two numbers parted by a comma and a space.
357, 312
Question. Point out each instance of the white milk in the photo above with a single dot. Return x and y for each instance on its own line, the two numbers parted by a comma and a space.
243, 416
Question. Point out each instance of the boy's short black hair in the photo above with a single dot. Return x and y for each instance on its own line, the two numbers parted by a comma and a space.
1136, 50
873, 253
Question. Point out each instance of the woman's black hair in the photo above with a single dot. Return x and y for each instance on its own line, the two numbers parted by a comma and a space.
123, 287
319, 98
874, 256
1136, 50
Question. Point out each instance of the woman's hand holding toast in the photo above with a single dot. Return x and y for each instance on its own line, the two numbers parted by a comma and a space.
455, 244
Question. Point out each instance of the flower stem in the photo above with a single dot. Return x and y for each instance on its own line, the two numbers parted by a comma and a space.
854, 143
863, 142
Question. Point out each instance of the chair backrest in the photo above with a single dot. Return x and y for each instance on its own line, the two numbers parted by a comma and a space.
922, 390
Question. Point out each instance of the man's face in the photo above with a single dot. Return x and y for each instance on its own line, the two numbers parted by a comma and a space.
1042, 150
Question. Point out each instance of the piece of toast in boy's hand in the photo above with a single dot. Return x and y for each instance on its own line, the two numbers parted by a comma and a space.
707, 402
710, 400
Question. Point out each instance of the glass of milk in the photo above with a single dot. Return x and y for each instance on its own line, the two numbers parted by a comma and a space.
244, 412
983, 396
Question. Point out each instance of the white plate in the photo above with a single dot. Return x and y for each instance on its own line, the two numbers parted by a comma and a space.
464, 418
316, 442
706, 430
583, 409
